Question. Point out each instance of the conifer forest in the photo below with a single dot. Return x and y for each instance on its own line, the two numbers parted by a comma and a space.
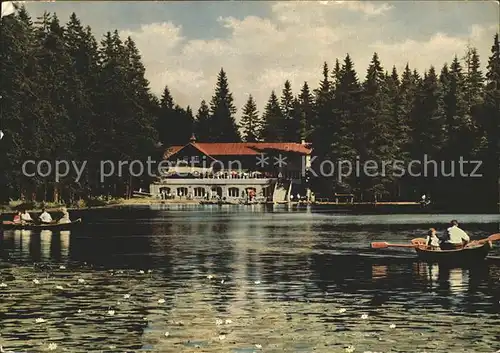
67, 95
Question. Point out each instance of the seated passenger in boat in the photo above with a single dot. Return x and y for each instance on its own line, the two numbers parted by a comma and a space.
456, 237
65, 218
432, 241
25, 216
17, 218
45, 217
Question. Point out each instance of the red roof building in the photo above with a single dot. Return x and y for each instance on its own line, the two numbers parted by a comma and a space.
217, 149
233, 170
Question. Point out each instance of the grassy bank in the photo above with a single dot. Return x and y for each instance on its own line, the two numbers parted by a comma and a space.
36, 206
15, 205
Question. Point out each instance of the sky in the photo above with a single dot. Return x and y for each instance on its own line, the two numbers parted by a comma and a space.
260, 44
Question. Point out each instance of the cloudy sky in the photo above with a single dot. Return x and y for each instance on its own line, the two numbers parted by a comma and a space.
260, 44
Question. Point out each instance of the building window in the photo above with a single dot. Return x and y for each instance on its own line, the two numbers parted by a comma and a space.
195, 159
182, 191
217, 191
234, 192
199, 192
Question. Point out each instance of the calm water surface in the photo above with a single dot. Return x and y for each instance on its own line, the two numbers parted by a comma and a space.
242, 280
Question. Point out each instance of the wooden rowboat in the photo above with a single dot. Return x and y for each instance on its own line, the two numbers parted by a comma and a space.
50, 226
468, 255
473, 253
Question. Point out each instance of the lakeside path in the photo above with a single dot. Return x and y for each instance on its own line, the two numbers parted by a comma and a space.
131, 202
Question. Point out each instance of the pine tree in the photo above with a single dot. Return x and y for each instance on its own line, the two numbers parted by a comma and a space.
474, 79
53, 56
21, 115
250, 121
336, 75
185, 126
428, 125
323, 123
347, 110
202, 123
176, 124
273, 118
406, 109
82, 49
347, 115
453, 108
166, 118
222, 109
491, 125
399, 120
306, 111
375, 140
474, 87
287, 106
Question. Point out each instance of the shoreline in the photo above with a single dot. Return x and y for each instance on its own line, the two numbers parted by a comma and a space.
132, 202
395, 207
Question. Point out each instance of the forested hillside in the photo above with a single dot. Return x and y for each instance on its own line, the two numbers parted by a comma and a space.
67, 95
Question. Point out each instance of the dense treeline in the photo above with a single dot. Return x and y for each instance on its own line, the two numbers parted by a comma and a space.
67, 96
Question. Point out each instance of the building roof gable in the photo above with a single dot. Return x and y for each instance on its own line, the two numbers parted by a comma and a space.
242, 148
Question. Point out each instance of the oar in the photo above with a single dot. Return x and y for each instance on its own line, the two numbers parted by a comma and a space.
383, 245
493, 237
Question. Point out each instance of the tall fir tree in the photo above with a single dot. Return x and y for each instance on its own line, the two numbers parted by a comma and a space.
222, 109
491, 125
428, 125
202, 122
323, 120
406, 110
290, 126
83, 51
251, 122
273, 118
453, 108
347, 103
347, 115
22, 117
53, 56
176, 124
375, 139
306, 111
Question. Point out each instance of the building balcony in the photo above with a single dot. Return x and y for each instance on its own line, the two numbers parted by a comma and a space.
215, 181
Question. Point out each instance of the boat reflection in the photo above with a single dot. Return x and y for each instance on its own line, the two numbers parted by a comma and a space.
45, 241
443, 277
379, 271
26, 245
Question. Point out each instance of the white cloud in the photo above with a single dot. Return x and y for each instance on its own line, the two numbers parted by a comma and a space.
259, 54
368, 8
439, 49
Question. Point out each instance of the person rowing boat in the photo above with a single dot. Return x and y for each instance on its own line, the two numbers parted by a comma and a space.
45, 217
456, 237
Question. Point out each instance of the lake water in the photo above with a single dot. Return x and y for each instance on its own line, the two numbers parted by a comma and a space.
243, 279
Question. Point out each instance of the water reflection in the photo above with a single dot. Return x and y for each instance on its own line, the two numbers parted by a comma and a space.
286, 281
31, 246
